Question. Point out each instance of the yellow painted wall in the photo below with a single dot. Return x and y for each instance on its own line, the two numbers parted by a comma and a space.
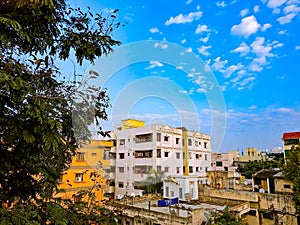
132, 123
186, 154
93, 161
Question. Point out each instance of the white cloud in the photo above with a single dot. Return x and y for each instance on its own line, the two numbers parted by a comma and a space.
282, 32
291, 8
154, 30
256, 8
286, 19
248, 26
154, 64
266, 26
231, 69
243, 49
203, 50
204, 39
275, 3
183, 41
189, 50
244, 12
181, 19
201, 29
218, 64
221, 4
260, 49
276, 11
163, 46
278, 45
297, 47
189, 2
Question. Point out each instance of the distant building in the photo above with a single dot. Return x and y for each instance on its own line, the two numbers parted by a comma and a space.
252, 154
225, 161
290, 139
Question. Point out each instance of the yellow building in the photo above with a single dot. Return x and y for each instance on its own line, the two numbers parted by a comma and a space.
252, 154
87, 172
132, 123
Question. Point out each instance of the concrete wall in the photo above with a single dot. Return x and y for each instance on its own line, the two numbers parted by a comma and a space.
229, 194
132, 215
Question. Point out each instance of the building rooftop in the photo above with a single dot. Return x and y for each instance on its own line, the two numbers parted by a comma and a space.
291, 135
266, 173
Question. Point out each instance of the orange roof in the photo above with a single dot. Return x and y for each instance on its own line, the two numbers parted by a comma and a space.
291, 135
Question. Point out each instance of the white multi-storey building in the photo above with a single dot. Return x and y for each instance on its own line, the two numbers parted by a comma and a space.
141, 148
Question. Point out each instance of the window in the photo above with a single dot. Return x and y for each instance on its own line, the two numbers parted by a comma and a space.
106, 155
121, 184
94, 154
197, 169
78, 177
180, 193
80, 156
166, 169
122, 141
287, 186
172, 194
166, 138
197, 143
219, 163
167, 191
158, 153
190, 142
142, 169
177, 141
190, 169
77, 198
197, 156
141, 138
205, 144
166, 154
158, 169
112, 169
158, 136
121, 155
121, 169
178, 169
183, 169
143, 154
205, 157
177, 155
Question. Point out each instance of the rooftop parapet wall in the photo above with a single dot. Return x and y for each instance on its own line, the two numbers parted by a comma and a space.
229, 194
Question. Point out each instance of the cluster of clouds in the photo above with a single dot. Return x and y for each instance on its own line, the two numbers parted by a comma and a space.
255, 50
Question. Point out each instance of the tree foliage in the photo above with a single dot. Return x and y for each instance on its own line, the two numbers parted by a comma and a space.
153, 183
252, 167
37, 103
224, 217
291, 171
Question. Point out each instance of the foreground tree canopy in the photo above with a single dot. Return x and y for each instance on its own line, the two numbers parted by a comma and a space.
291, 171
37, 139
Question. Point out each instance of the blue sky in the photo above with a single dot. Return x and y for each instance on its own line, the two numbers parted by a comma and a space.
252, 49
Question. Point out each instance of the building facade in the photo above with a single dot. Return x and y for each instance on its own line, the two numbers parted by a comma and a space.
140, 149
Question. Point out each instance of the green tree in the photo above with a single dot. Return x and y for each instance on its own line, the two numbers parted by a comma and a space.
224, 217
37, 103
153, 183
291, 171
252, 167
